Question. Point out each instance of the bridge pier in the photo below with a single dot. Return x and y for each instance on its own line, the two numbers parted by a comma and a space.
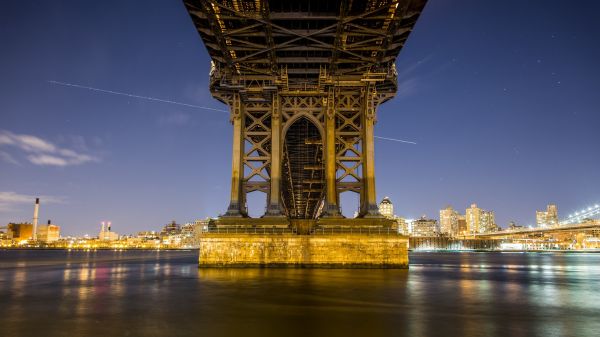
325, 243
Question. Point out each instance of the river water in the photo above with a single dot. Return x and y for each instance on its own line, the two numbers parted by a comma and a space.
137, 293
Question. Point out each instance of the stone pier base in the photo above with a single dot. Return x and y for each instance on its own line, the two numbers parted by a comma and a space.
338, 250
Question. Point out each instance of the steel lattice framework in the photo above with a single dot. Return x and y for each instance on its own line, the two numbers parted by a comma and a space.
303, 80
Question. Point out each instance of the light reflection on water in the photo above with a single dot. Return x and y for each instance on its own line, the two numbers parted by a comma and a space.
56, 293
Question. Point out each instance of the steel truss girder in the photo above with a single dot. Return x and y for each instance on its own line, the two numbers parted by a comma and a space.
330, 67
349, 107
249, 37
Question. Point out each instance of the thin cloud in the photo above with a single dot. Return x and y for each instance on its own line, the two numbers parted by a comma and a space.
7, 157
174, 119
11, 201
412, 79
41, 152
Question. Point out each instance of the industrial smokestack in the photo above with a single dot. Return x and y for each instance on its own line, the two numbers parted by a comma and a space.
109, 226
49, 222
36, 212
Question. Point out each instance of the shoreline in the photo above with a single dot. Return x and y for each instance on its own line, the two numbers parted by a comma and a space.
432, 251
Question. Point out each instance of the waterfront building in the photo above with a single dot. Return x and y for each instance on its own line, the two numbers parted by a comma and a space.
462, 225
188, 228
171, 228
425, 227
190, 233
449, 221
148, 235
202, 224
48, 233
402, 226
547, 218
20, 231
479, 220
106, 233
386, 208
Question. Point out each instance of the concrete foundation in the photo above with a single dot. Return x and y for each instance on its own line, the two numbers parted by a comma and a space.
292, 250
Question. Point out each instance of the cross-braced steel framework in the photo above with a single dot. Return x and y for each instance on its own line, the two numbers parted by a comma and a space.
303, 80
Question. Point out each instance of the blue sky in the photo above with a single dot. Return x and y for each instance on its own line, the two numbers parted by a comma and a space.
500, 97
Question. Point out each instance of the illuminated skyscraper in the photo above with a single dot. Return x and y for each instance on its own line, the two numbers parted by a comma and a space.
449, 221
479, 220
548, 218
386, 208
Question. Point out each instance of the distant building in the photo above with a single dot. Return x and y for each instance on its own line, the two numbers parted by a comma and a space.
106, 233
188, 228
462, 225
449, 221
147, 235
425, 227
48, 233
20, 231
386, 208
172, 228
547, 218
402, 226
479, 220
513, 226
202, 225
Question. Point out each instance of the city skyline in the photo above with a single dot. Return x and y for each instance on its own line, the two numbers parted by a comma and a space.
510, 129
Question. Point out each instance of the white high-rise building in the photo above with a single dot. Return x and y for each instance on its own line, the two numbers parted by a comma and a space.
479, 220
449, 221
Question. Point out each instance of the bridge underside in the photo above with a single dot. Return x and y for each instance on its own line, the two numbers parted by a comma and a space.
303, 80
303, 180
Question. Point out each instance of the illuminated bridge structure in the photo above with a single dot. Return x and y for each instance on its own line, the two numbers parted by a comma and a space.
303, 80
590, 226
586, 213
585, 221
584, 235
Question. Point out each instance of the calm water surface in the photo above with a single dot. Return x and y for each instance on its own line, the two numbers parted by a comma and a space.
58, 293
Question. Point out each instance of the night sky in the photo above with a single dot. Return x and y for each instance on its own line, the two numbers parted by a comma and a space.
501, 97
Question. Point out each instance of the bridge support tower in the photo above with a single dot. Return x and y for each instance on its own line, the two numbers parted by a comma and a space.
303, 84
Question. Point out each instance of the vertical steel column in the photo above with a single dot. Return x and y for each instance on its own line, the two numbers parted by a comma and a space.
274, 207
331, 202
237, 169
369, 203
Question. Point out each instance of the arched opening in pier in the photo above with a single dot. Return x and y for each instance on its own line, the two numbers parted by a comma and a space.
303, 183
349, 204
255, 204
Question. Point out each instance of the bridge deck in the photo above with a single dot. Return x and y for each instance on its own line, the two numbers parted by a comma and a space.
303, 41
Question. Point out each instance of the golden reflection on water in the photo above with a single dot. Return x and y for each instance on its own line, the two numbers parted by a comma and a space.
463, 295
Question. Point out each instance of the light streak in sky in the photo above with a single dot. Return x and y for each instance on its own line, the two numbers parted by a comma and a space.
133, 96
396, 140
73, 85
